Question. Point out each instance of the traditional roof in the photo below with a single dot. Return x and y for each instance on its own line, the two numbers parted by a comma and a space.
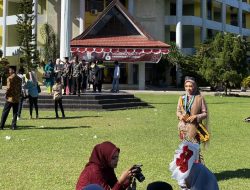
115, 35
115, 27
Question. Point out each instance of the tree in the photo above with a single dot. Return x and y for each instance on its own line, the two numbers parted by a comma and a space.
50, 46
175, 58
27, 40
222, 61
3, 68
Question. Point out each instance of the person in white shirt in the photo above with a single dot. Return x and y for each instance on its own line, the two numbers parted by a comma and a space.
116, 77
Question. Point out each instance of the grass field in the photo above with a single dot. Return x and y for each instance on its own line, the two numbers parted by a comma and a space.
49, 154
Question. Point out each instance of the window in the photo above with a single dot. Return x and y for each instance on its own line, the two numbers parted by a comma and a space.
94, 5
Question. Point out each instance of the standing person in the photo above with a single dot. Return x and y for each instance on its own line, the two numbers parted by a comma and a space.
23, 92
13, 93
49, 76
57, 89
58, 69
33, 93
67, 75
76, 74
192, 113
100, 169
116, 77
100, 76
91, 74
191, 110
84, 76
94, 75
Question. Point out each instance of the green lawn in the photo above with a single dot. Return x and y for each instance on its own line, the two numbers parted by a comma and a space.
49, 154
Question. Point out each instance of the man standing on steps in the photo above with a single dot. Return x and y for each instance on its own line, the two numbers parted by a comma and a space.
13, 93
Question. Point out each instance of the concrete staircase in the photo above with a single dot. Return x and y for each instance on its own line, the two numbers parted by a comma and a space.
89, 101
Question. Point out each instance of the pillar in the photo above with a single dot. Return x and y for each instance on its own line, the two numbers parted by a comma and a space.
141, 76
5, 13
130, 73
204, 19
240, 17
34, 23
66, 28
223, 16
131, 5
179, 10
82, 17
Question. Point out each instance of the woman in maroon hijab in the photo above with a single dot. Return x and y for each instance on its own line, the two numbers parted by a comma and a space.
100, 169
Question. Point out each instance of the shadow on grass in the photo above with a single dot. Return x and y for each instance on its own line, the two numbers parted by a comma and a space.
70, 117
151, 103
49, 128
240, 173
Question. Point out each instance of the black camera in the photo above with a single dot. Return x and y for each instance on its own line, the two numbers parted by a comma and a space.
137, 172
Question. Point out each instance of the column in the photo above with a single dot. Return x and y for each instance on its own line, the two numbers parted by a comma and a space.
141, 76
130, 73
34, 23
240, 17
131, 5
5, 14
66, 28
82, 17
179, 8
223, 16
204, 19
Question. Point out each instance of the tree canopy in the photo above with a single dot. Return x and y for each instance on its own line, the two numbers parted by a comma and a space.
222, 61
27, 40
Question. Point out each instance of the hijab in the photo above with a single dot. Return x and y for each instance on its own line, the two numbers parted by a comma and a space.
192, 80
102, 154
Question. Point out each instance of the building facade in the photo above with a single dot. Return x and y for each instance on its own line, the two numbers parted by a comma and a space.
186, 22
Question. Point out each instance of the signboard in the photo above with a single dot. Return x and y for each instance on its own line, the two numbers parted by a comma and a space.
122, 55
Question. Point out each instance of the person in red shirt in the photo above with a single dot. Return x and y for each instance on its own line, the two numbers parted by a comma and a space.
100, 169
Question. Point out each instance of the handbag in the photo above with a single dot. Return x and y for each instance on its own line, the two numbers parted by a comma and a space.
38, 88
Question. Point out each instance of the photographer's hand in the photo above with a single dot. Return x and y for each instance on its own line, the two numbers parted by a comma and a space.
125, 177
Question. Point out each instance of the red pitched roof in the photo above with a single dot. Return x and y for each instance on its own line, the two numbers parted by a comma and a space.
120, 41
144, 40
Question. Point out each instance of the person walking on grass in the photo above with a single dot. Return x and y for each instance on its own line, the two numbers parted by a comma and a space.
57, 90
33, 92
13, 93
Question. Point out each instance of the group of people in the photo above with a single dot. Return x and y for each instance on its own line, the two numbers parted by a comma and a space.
187, 166
21, 87
77, 75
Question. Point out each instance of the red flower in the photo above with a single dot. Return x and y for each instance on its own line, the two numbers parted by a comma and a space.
184, 158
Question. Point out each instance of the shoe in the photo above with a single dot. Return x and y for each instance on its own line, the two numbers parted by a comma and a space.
57, 117
37, 117
64, 93
1, 128
63, 116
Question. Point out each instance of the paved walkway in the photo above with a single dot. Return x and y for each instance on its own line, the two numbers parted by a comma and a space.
157, 91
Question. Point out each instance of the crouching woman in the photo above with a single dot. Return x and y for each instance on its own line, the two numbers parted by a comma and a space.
100, 169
